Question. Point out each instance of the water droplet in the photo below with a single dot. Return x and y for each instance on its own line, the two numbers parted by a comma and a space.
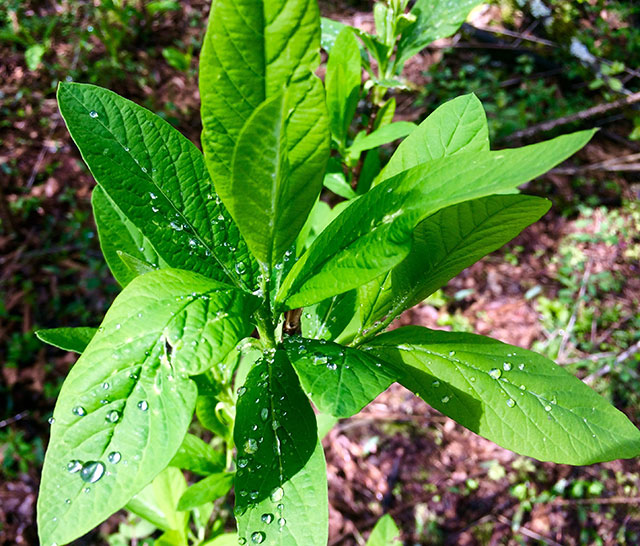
445, 399
51, 420
282, 522
511, 402
143, 405
93, 114
452, 353
332, 366
521, 367
267, 518
112, 417
242, 462
79, 411
67, 501
74, 466
114, 457
241, 268
264, 414
495, 373
143, 169
506, 366
241, 391
250, 446
547, 408
86, 489
280, 507
522, 387
436, 383
277, 494
92, 471
242, 540
258, 537
253, 495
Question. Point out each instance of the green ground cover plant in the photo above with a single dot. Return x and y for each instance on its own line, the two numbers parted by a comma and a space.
247, 302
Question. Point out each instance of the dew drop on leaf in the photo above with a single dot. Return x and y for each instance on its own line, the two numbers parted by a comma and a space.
277, 494
495, 373
74, 466
267, 518
250, 446
242, 540
114, 457
264, 414
242, 462
521, 367
143, 405
240, 268
445, 399
282, 522
93, 114
112, 417
51, 420
79, 411
436, 383
332, 365
547, 408
506, 366
258, 537
511, 402
92, 471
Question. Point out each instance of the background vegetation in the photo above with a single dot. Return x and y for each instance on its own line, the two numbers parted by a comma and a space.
568, 287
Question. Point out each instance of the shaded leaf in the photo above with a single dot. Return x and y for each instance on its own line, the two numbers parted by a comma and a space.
68, 339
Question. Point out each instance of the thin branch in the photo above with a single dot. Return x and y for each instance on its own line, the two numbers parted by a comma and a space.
574, 314
528, 532
578, 116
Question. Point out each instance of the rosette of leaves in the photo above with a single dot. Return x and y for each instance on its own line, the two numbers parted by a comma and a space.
240, 305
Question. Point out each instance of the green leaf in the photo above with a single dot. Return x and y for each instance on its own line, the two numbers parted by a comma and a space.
158, 181
296, 513
443, 245
385, 533
124, 409
207, 490
385, 114
67, 339
33, 56
516, 398
337, 183
327, 319
339, 380
342, 83
157, 503
373, 234
197, 456
276, 437
459, 125
268, 204
228, 539
435, 19
384, 135
126, 250
251, 52
330, 30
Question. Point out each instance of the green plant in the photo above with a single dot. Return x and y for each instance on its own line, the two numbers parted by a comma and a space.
210, 248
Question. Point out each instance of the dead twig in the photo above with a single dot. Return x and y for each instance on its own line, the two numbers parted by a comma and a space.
528, 532
578, 116
574, 315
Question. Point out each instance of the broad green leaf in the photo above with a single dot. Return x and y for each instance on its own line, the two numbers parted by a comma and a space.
514, 397
459, 125
325, 423
385, 533
342, 83
33, 56
296, 513
158, 181
197, 456
327, 319
124, 409
251, 51
373, 234
269, 206
206, 490
157, 503
276, 438
443, 245
68, 339
330, 30
126, 250
209, 387
339, 380
384, 135
275, 429
435, 19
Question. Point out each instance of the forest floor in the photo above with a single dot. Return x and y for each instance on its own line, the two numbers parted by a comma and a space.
568, 287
